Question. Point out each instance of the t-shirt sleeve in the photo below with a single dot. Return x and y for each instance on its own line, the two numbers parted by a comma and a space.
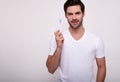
52, 46
100, 48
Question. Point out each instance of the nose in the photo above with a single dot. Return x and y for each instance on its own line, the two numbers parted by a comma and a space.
74, 16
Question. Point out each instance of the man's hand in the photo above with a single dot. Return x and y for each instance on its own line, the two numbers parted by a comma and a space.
54, 60
59, 38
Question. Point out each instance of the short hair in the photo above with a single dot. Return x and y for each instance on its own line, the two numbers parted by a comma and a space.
73, 3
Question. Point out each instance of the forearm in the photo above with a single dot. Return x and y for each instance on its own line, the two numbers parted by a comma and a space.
54, 61
101, 73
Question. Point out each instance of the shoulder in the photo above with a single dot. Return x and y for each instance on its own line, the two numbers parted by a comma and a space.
65, 32
92, 36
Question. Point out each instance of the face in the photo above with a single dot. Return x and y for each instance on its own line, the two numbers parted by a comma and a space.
74, 16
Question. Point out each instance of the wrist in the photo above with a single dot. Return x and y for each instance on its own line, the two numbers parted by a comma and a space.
59, 48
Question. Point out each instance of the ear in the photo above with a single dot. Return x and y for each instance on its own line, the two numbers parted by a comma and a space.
83, 13
65, 15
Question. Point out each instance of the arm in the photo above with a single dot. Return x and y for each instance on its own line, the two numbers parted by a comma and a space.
101, 72
53, 61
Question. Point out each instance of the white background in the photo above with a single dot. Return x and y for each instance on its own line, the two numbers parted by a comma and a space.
26, 27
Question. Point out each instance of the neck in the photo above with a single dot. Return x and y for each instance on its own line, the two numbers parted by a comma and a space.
77, 30
77, 33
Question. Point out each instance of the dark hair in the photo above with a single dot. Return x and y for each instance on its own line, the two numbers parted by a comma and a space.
72, 3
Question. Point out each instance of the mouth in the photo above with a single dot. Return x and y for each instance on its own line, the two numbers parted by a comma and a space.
74, 22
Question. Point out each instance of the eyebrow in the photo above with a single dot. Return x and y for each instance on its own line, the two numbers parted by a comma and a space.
78, 12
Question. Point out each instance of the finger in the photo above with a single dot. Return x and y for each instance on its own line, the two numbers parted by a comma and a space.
58, 34
56, 31
61, 37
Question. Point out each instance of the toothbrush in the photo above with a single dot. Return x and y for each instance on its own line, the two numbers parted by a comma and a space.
60, 24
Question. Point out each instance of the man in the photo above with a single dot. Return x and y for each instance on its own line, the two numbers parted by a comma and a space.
74, 50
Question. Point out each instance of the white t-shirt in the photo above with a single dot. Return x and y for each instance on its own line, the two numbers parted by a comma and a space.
77, 58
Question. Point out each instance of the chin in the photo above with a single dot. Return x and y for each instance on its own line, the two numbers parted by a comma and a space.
75, 27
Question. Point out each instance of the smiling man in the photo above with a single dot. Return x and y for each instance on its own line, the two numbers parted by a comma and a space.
73, 51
